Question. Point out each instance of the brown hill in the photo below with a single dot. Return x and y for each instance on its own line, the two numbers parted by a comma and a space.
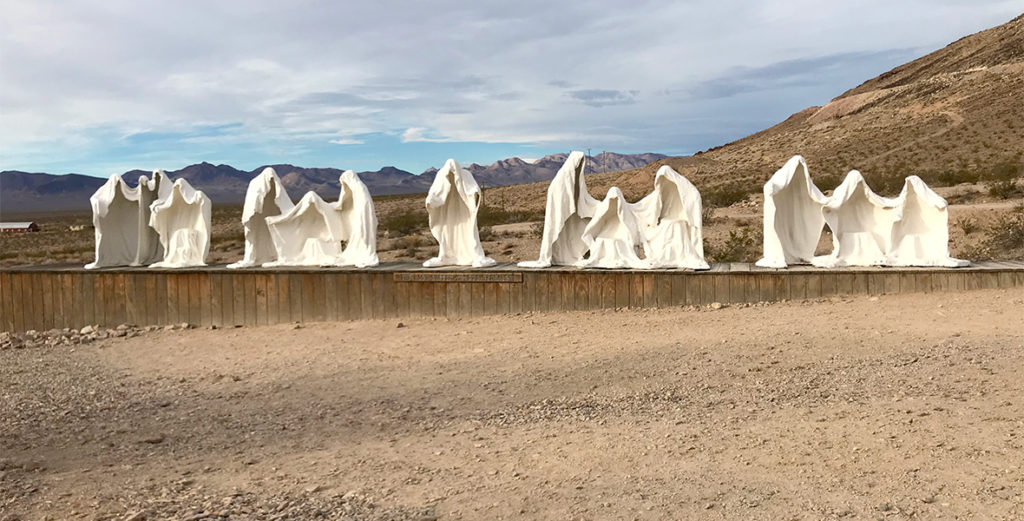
949, 117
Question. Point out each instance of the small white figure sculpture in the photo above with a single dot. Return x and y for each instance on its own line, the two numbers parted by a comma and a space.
359, 223
861, 224
150, 190
672, 222
920, 233
115, 217
793, 218
308, 234
568, 209
265, 197
452, 205
613, 235
182, 219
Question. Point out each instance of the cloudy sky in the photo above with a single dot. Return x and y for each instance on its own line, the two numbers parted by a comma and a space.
110, 85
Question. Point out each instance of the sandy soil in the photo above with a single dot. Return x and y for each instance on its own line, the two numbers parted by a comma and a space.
893, 407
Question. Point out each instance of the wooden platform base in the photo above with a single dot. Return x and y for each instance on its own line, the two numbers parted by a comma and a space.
45, 297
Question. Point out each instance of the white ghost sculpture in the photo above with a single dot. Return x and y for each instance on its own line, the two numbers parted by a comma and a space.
120, 216
793, 218
671, 219
265, 197
920, 232
313, 231
568, 209
150, 190
359, 223
861, 224
182, 219
306, 235
115, 218
613, 235
452, 205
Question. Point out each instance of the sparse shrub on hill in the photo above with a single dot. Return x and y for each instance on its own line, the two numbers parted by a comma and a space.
742, 245
707, 213
954, 177
404, 222
491, 216
966, 225
727, 194
1001, 180
1007, 232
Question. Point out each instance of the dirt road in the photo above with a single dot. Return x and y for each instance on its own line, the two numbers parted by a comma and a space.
895, 407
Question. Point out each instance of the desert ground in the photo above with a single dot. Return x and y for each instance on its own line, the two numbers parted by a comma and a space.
890, 407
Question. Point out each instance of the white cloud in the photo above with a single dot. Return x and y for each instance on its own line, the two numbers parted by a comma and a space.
642, 76
347, 141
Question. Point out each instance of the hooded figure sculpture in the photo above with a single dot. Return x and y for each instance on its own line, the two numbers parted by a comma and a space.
452, 205
568, 209
920, 231
358, 223
793, 217
265, 197
182, 219
613, 235
115, 217
120, 216
150, 190
861, 224
671, 220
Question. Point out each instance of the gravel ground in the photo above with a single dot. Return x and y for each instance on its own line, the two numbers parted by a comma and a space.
893, 407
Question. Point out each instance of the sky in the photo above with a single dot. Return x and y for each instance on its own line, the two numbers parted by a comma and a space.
107, 86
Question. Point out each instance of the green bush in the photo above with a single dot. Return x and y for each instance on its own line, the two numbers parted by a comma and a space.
404, 222
1001, 180
725, 195
492, 215
742, 245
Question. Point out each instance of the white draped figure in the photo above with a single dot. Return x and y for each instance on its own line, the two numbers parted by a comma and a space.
920, 233
307, 235
150, 190
120, 217
358, 223
568, 209
115, 218
318, 233
613, 235
265, 197
793, 218
182, 219
671, 220
452, 205
861, 224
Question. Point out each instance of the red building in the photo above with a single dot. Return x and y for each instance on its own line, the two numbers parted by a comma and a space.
21, 227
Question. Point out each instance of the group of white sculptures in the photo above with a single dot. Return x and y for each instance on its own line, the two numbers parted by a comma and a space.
167, 225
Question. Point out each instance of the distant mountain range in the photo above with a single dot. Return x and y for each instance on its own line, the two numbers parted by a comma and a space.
33, 192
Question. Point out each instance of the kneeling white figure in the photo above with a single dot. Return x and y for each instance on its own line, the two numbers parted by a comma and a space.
861, 223
568, 209
920, 231
613, 235
182, 219
265, 197
671, 219
452, 205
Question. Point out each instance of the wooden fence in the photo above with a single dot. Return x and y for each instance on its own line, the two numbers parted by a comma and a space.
45, 297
